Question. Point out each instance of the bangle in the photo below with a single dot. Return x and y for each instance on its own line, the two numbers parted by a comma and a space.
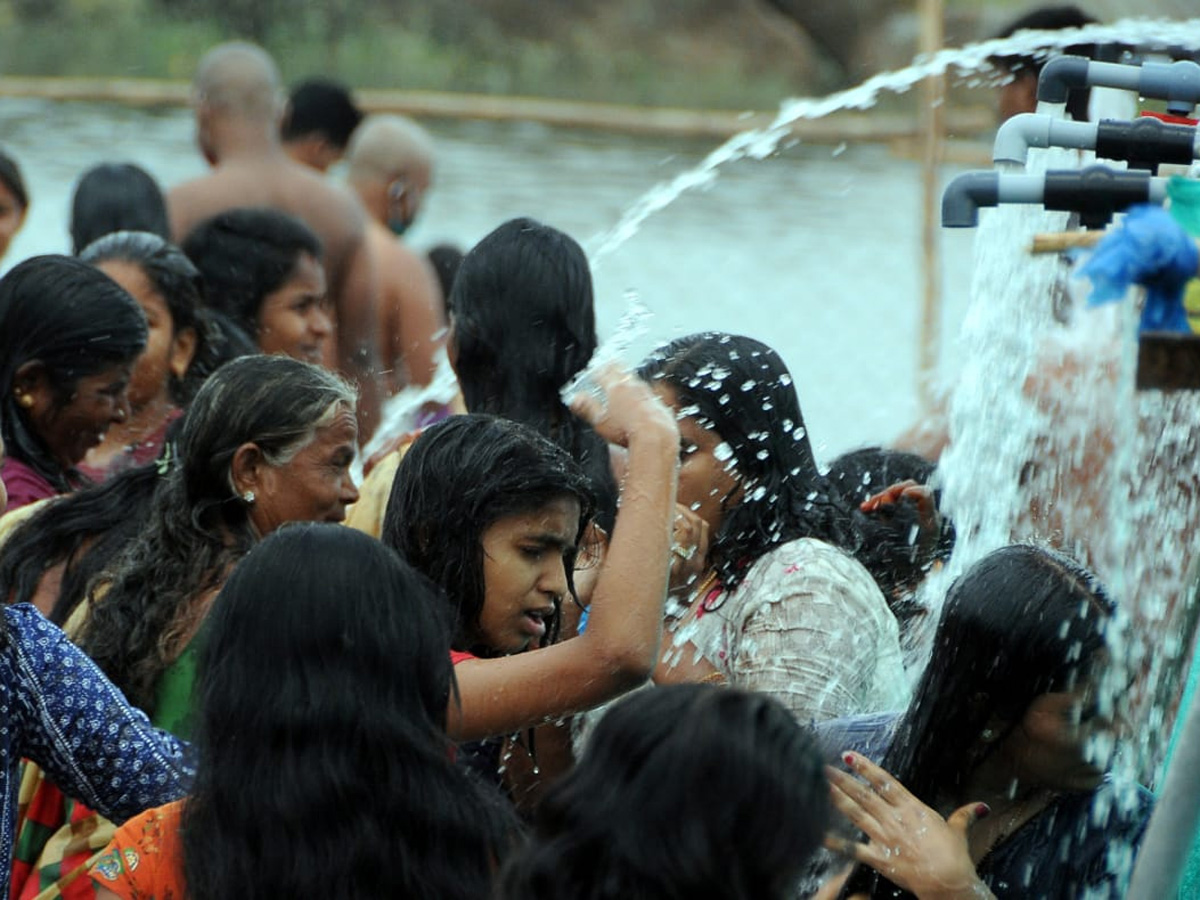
713, 678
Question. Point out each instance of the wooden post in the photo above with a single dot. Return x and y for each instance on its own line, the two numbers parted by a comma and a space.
933, 95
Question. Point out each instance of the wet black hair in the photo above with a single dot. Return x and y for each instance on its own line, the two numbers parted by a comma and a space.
179, 282
83, 532
683, 791
460, 477
324, 107
116, 197
891, 549
75, 321
355, 792
245, 255
524, 324
740, 388
445, 259
1021, 622
11, 178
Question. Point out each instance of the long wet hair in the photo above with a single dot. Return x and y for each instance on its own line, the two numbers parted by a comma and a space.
76, 322
198, 527
83, 532
179, 283
332, 776
1022, 622
684, 791
524, 324
116, 197
459, 478
741, 389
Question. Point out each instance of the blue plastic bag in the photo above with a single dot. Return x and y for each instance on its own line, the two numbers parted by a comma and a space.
1153, 250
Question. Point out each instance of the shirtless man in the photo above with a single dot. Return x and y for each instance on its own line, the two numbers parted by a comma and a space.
390, 169
238, 104
320, 118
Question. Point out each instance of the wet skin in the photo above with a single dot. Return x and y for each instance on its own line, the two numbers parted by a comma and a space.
525, 562
315, 485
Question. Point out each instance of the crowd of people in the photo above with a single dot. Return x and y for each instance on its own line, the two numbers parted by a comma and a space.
638, 644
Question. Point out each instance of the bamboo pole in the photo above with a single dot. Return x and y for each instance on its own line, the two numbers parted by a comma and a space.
839, 127
1057, 242
933, 93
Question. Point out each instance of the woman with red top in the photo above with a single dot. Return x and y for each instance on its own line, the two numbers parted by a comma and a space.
69, 336
495, 515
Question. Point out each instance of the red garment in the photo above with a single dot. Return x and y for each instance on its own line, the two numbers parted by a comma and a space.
457, 656
144, 451
24, 485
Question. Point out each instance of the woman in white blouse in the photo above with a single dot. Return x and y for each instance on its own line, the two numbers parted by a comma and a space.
780, 603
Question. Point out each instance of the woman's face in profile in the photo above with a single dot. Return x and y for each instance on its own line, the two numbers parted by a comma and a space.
708, 481
1064, 739
70, 428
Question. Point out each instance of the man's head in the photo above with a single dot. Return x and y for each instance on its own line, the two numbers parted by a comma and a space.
1019, 94
391, 168
320, 118
236, 83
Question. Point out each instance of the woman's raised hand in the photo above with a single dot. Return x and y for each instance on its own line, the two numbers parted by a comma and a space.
689, 551
622, 408
910, 844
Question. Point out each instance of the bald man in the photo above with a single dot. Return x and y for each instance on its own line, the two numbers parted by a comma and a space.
390, 168
239, 104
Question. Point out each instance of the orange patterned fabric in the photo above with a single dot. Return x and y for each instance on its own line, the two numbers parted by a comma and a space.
144, 860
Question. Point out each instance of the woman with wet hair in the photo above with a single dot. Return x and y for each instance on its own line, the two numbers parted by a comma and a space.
14, 201
1012, 720
116, 197
69, 336
333, 777
267, 440
783, 606
522, 325
685, 791
265, 281
170, 292
494, 514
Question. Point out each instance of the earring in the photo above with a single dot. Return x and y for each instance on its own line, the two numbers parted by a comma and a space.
25, 401
248, 497
988, 734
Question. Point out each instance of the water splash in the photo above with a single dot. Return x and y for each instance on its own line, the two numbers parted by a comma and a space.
759, 143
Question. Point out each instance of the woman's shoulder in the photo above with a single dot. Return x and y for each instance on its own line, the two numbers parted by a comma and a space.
145, 856
24, 484
809, 564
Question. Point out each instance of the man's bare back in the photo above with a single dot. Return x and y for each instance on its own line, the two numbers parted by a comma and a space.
410, 310
238, 105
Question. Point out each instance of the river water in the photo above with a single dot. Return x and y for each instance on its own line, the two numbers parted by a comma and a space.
815, 250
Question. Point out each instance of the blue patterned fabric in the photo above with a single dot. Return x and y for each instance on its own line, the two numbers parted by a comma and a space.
58, 709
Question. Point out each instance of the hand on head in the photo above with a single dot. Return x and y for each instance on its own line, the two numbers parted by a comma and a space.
622, 408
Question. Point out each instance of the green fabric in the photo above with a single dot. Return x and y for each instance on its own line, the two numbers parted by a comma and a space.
1184, 194
173, 703
1189, 886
